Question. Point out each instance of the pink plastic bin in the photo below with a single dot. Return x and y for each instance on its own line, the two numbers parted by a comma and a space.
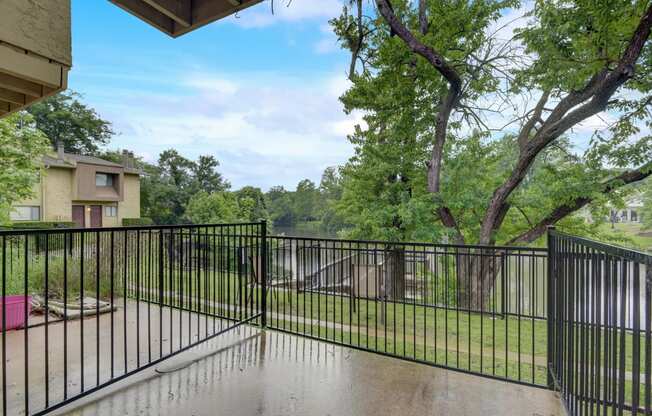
15, 307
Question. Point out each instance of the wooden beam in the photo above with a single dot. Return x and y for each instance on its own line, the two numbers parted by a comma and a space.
147, 13
208, 11
29, 67
20, 85
12, 97
178, 10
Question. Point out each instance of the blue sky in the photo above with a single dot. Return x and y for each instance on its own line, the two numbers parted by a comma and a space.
257, 91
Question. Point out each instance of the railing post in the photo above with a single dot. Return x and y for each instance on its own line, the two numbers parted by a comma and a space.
263, 271
550, 306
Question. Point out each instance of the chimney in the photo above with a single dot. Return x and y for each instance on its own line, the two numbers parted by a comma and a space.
60, 151
126, 158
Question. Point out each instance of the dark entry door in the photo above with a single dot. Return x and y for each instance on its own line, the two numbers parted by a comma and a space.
79, 216
96, 216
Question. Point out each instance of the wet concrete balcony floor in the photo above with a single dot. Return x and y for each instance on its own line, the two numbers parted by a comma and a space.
248, 371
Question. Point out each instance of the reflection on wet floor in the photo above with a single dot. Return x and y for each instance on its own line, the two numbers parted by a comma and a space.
252, 372
106, 353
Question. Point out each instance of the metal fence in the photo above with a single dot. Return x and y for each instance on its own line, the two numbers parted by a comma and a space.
599, 326
114, 301
472, 308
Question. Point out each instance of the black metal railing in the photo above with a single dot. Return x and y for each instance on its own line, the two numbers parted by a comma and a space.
472, 308
111, 302
600, 310
114, 301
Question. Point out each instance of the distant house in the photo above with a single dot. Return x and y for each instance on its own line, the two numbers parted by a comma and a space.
86, 190
631, 213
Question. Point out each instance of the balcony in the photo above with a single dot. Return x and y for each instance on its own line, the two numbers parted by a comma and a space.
190, 326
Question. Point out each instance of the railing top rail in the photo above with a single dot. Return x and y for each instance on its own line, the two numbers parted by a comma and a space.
614, 250
459, 246
124, 228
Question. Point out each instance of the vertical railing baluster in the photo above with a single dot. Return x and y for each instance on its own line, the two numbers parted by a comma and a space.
47, 319
636, 338
66, 241
112, 299
648, 335
550, 308
125, 240
4, 325
97, 307
263, 272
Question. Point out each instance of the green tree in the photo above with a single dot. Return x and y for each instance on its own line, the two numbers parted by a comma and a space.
66, 120
305, 201
22, 148
175, 183
280, 207
254, 200
166, 187
214, 208
429, 91
330, 193
206, 176
425, 87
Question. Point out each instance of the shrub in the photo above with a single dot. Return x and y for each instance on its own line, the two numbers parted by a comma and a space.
131, 222
41, 225
39, 241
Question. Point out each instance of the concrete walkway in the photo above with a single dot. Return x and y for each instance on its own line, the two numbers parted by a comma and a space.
84, 354
250, 372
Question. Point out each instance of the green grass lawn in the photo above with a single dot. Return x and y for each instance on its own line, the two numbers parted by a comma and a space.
630, 234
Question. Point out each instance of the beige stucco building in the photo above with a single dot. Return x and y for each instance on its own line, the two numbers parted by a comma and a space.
89, 191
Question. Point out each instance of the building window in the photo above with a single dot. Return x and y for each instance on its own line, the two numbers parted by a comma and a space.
25, 213
110, 211
103, 179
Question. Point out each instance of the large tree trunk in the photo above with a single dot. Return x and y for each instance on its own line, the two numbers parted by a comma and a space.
477, 274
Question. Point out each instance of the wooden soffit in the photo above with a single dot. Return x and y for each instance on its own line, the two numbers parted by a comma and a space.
35, 51
178, 17
26, 78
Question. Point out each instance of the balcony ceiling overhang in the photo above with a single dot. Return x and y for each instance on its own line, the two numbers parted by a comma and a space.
26, 78
178, 17
35, 51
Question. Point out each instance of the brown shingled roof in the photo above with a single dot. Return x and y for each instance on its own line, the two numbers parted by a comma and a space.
70, 161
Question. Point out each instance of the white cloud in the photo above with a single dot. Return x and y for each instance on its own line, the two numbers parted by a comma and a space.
326, 45
594, 123
215, 85
511, 20
266, 129
287, 11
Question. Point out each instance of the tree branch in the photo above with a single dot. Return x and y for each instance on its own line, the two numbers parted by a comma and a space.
423, 17
360, 40
446, 107
524, 135
562, 211
431, 55
597, 91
